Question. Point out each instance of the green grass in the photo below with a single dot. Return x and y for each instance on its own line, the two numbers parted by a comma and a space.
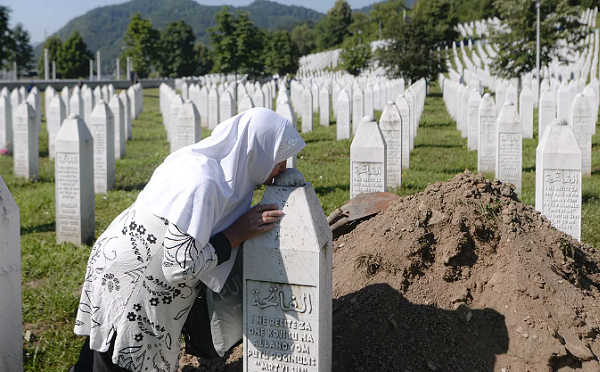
52, 274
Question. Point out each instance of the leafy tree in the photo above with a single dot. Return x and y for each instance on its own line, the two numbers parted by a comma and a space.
73, 58
282, 54
363, 27
204, 60
23, 51
355, 55
142, 42
517, 47
178, 55
237, 43
6, 39
386, 12
410, 53
439, 17
304, 37
53, 44
331, 30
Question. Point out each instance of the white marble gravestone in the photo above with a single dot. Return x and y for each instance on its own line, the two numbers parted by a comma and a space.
258, 98
56, 114
558, 180
472, 120
74, 182
76, 106
227, 106
288, 285
307, 110
187, 128
15, 101
245, 104
368, 155
89, 102
65, 93
174, 108
368, 101
509, 146
11, 321
6, 124
127, 113
526, 111
26, 146
546, 112
213, 109
486, 153
203, 105
49, 93
512, 95
324, 106
501, 89
285, 109
343, 116
118, 111
102, 124
391, 126
404, 109
581, 122
564, 99
358, 108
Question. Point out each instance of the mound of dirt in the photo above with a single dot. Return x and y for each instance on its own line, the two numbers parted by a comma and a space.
461, 277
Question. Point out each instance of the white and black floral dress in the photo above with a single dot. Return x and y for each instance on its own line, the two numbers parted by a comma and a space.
126, 298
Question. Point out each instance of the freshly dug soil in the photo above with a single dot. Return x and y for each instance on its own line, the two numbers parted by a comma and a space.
461, 277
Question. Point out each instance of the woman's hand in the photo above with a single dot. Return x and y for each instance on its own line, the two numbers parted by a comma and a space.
257, 220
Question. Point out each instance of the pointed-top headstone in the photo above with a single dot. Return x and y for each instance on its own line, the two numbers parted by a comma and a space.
581, 122
118, 110
526, 111
245, 104
546, 112
213, 108
324, 106
391, 125
368, 158
307, 111
509, 146
74, 182
343, 116
56, 114
473, 120
486, 152
102, 124
188, 128
558, 181
26, 146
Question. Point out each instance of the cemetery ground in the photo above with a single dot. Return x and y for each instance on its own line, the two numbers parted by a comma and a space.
52, 274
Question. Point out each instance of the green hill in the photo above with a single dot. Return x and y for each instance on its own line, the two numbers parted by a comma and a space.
103, 28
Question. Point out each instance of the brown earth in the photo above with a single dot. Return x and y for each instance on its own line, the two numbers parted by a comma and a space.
461, 277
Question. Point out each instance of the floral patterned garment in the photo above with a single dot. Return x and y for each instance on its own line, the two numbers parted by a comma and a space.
127, 297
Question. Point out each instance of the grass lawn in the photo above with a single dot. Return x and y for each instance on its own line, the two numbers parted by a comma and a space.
52, 274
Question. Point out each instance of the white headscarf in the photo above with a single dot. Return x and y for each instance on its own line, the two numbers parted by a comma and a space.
205, 187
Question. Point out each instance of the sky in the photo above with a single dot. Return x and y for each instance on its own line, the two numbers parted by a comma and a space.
42, 18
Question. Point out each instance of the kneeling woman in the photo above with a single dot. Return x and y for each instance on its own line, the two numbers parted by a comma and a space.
182, 233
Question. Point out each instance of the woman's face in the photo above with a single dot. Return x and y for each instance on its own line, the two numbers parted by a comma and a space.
279, 167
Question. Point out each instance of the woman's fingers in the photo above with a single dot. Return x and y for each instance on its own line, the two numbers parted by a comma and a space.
265, 207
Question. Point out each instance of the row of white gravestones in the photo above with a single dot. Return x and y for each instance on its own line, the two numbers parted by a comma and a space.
369, 158
74, 182
288, 284
11, 342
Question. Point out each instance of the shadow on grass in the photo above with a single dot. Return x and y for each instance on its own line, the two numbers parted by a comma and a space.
443, 146
589, 196
529, 169
320, 190
139, 186
47, 227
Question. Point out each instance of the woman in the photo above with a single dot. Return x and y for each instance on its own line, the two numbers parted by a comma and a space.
181, 234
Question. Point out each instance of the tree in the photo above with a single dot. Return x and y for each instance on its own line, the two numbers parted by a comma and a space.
386, 12
237, 43
516, 37
204, 60
331, 30
410, 53
439, 17
282, 54
73, 59
304, 37
177, 49
355, 55
23, 51
6, 39
53, 44
142, 42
